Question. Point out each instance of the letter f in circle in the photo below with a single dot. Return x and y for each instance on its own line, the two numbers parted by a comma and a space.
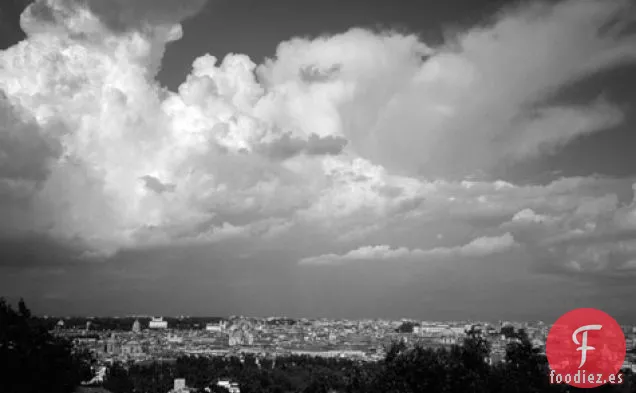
583, 346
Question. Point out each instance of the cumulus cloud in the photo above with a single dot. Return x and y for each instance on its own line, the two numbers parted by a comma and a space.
485, 97
479, 247
528, 215
339, 137
590, 238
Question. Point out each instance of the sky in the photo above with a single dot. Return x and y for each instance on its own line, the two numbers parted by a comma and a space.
440, 160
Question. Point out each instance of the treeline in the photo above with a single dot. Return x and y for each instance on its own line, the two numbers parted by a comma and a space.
404, 370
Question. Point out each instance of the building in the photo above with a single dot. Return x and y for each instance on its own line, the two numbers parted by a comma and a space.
112, 345
136, 327
447, 338
131, 348
180, 386
240, 337
231, 387
174, 339
430, 329
158, 323
215, 327
459, 331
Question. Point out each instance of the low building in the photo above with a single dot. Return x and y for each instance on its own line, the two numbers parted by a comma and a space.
231, 387
215, 327
447, 339
180, 386
427, 329
174, 339
158, 323
132, 348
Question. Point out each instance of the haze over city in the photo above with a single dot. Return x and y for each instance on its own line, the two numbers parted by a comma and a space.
440, 160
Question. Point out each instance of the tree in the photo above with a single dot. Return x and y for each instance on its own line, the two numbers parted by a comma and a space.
118, 380
508, 331
406, 327
31, 359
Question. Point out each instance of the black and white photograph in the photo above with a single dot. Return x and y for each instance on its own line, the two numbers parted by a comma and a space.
335, 196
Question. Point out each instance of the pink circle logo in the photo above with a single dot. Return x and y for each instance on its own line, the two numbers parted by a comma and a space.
585, 349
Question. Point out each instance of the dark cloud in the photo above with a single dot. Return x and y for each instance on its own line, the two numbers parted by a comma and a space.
313, 74
123, 15
283, 148
119, 15
595, 238
288, 146
156, 185
408, 205
25, 151
37, 251
329, 145
42, 12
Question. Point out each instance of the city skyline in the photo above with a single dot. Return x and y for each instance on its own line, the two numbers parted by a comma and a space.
275, 317
219, 318
422, 159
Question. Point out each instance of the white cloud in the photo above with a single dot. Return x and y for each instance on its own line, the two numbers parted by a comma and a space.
382, 252
323, 140
494, 85
591, 237
480, 247
528, 215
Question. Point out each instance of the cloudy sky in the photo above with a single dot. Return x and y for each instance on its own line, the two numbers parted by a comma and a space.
422, 159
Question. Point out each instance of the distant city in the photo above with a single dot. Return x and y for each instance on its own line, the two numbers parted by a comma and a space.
141, 340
